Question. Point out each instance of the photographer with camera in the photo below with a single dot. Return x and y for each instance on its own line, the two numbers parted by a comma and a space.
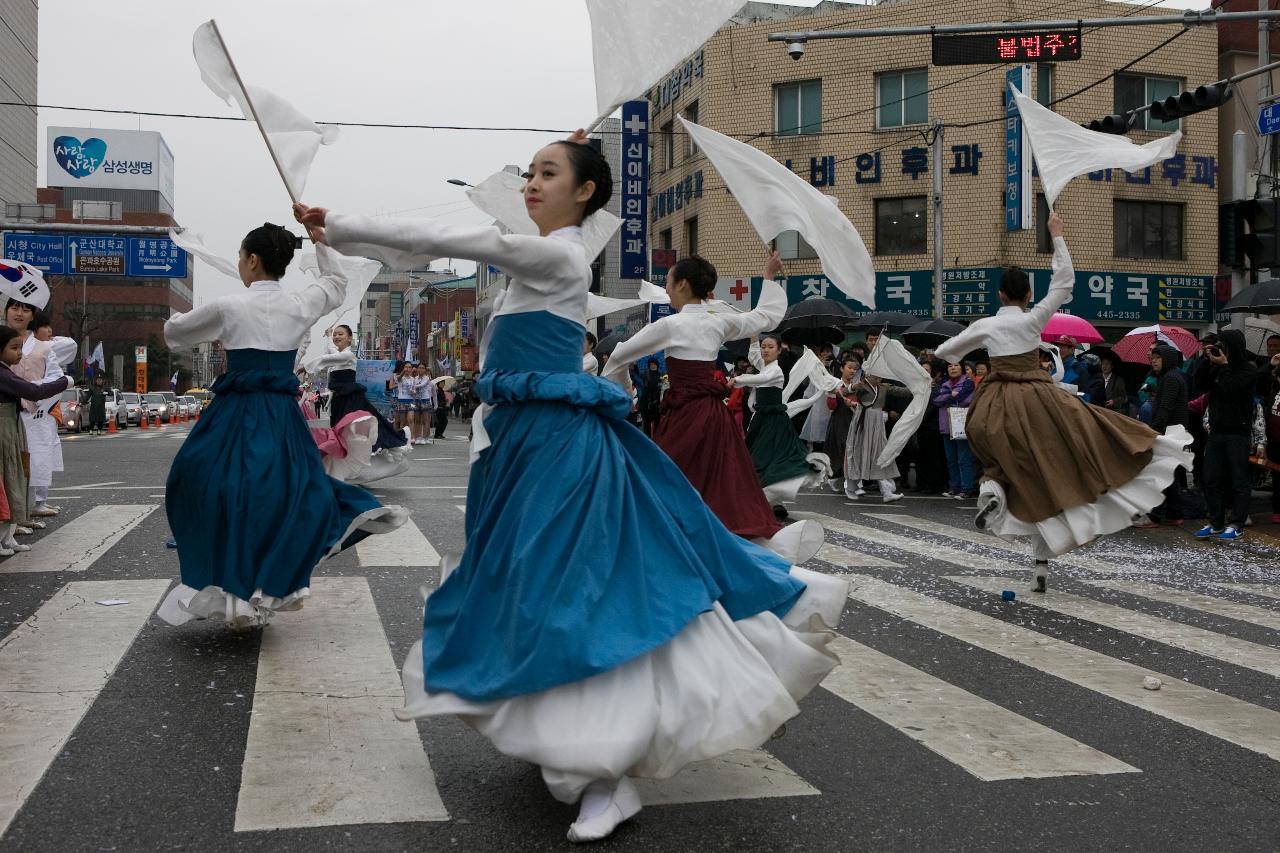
1229, 381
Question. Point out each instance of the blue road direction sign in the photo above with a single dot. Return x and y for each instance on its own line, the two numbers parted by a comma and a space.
1269, 119
97, 254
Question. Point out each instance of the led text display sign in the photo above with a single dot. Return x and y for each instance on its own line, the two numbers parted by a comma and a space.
988, 48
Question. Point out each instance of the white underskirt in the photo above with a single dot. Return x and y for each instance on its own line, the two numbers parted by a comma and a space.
1111, 512
717, 686
185, 603
785, 491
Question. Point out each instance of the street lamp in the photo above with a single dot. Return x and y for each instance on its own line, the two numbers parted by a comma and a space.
458, 182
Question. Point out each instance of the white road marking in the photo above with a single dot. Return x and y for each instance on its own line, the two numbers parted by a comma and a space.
738, 775
913, 546
104, 488
462, 508
52, 668
1267, 590
987, 540
1176, 634
76, 545
91, 485
324, 748
838, 555
1232, 720
1195, 601
991, 742
404, 546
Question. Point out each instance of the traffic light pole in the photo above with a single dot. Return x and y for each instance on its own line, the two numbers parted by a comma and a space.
1239, 190
938, 246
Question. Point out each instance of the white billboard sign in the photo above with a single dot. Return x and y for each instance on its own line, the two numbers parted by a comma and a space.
113, 159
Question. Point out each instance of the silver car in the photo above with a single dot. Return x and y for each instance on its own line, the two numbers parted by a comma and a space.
132, 405
157, 406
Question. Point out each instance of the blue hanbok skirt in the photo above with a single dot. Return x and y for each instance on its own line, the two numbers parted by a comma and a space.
602, 621
250, 504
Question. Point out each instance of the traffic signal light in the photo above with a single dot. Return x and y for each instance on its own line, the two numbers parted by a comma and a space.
1184, 104
1259, 243
1117, 124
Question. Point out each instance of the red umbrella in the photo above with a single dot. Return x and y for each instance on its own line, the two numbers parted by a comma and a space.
1071, 326
1136, 346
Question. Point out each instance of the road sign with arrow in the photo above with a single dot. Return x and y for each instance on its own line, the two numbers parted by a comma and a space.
97, 254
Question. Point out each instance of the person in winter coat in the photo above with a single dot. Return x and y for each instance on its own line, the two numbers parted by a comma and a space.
1090, 378
97, 407
1271, 410
1229, 381
1168, 408
1116, 392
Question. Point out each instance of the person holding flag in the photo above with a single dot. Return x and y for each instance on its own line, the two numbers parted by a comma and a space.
601, 622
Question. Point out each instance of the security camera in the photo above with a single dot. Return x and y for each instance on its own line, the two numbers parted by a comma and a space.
795, 49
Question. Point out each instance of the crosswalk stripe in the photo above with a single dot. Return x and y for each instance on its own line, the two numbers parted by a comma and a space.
462, 508
52, 668
838, 555
931, 550
324, 748
739, 775
1266, 590
991, 742
1230, 719
404, 546
988, 540
1196, 601
77, 544
1176, 634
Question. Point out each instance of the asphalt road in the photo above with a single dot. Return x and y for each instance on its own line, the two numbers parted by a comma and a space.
958, 721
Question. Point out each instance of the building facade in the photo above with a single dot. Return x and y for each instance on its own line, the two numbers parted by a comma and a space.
855, 118
18, 66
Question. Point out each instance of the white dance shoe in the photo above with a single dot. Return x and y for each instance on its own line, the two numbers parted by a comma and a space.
624, 804
13, 547
796, 543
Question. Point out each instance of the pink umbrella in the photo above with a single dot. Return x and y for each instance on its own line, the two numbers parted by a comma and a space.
1071, 326
1136, 346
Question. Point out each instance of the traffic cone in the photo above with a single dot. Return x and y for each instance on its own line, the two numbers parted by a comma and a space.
159, 423
142, 421
111, 426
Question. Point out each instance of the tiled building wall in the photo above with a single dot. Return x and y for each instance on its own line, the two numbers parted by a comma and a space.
735, 95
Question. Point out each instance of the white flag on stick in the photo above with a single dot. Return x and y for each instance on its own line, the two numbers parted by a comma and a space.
194, 243
635, 43
1064, 150
292, 138
501, 195
97, 357
359, 273
776, 199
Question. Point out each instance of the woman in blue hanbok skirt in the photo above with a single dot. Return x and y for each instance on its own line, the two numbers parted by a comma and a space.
248, 500
601, 623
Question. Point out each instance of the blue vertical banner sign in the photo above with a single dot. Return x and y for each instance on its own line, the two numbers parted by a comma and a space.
413, 337
634, 233
1019, 199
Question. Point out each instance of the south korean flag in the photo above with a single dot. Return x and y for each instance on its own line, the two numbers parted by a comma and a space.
23, 283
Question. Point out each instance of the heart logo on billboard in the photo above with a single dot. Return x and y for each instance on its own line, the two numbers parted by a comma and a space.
79, 159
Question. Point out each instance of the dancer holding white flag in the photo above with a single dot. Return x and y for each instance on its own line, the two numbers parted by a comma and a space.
251, 508
601, 623
1055, 468
697, 430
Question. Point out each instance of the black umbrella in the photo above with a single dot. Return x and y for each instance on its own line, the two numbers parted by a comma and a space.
609, 342
1261, 298
813, 337
932, 331
896, 321
816, 313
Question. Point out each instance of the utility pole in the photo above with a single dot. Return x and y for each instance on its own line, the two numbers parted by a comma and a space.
1266, 176
938, 253
1239, 190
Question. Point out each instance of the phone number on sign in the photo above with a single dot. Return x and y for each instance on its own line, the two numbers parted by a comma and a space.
1119, 315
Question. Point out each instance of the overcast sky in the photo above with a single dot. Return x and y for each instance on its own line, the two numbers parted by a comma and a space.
511, 63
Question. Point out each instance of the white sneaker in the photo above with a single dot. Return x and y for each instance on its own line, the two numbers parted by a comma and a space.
13, 546
836, 484
623, 805
892, 498
6, 552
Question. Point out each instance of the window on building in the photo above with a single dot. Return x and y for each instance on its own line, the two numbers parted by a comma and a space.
1148, 229
1044, 243
667, 139
664, 239
901, 98
902, 226
1136, 90
797, 108
1044, 84
691, 236
792, 246
691, 114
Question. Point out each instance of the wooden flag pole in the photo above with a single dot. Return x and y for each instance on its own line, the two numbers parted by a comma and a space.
253, 110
